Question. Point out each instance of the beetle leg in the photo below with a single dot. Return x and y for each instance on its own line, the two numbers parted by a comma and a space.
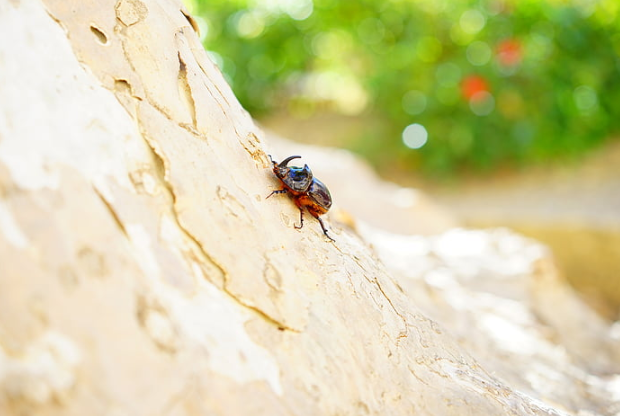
277, 191
301, 219
324, 229
272, 161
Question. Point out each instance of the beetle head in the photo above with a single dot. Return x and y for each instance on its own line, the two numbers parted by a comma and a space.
297, 179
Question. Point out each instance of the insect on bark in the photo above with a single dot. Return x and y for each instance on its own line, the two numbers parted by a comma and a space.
307, 191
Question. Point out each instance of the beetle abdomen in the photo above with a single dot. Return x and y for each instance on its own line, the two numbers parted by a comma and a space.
320, 194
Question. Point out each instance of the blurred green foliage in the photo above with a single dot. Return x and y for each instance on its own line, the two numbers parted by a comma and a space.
485, 83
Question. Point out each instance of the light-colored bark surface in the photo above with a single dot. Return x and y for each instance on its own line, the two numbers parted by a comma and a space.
575, 209
143, 272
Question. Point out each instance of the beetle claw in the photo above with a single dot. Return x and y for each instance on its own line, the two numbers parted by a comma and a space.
324, 229
301, 220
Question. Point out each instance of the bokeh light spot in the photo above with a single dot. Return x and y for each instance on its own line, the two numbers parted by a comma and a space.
299, 9
415, 136
344, 93
482, 103
472, 85
585, 98
250, 24
472, 21
296, 9
414, 102
509, 52
478, 53
371, 31
459, 36
330, 45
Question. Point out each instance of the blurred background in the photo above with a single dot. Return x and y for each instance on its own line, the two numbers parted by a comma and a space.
503, 110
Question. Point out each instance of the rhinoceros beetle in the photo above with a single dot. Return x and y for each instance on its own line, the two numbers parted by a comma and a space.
306, 190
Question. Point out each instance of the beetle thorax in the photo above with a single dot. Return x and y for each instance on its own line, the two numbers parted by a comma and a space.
295, 178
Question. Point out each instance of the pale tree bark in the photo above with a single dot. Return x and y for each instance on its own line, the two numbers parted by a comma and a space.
143, 272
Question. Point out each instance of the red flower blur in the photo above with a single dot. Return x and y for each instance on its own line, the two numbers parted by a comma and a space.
472, 85
509, 52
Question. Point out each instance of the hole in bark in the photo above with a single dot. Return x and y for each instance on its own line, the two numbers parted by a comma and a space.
122, 85
101, 37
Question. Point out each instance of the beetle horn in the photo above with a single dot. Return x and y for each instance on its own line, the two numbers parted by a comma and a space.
285, 161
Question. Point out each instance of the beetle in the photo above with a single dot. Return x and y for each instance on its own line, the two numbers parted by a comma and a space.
306, 190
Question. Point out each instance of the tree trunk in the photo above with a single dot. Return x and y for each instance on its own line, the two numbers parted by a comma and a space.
142, 270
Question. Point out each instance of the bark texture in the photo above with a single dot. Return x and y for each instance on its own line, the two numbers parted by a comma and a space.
143, 272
